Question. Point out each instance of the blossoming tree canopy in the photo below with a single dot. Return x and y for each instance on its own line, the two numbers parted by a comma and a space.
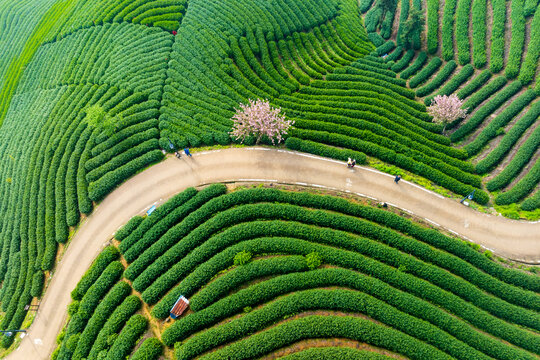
258, 118
446, 109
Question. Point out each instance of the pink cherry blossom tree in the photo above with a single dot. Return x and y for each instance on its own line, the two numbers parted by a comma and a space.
259, 118
446, 109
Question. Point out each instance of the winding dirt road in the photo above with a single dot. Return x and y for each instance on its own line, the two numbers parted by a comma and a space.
512, 239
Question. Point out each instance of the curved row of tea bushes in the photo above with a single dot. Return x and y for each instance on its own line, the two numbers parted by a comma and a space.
438, 80
71, 74
517, 41
453, 84
322, 327
139, 66
524, 187
497, 36
530, 63
479, 33
322, 353
404, 61
335, 300
501, 120
494, 102
151, 349
279, 286
415, 66
523, 156
532, 203
174, 253
82, 311
425, 73
509, 139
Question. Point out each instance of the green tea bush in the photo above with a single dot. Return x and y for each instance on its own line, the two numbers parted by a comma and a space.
447, 30
517, 42
509, 140
498, 123
151, 349
107, 256
523, 187
482, 113
37, 284
127, 338
453, 84
414, 67
438, 80
426, 72
93, 296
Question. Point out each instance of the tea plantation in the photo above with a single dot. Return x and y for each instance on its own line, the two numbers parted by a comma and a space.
488, 54
171, 73
266, 270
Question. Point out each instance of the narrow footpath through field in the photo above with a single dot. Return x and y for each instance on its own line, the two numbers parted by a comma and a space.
513, 239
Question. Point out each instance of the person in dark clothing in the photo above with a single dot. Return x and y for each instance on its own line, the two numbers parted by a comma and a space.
353, 163
177, 154
186, 151
397, 178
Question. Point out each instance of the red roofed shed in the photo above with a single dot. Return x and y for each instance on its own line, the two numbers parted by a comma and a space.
179, 307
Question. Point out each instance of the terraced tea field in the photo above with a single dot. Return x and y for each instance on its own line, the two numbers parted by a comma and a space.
397, 287
170, 74
487, 54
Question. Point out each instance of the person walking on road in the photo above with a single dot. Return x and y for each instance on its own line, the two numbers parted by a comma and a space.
186, 151
349, 163
397, 178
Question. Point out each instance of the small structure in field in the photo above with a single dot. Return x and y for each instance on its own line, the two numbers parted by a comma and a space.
179, 307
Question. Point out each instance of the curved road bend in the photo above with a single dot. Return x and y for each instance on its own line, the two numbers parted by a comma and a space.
512, 239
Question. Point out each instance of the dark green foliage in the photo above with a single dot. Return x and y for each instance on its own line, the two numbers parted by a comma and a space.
103, 311
324, 150
447, 30
517, 41
532, 203
108, 255
523, 187
126, 340
474, 84
101, 286
438, 80
386, 48
98, 189
335, 353
508, 140
37, 284
481, 114
481, 95
452, 84
404, 61
114, 324
151, 349
414, 67
159, 222
128, 228
530, 63
315, 327
497, 124
426, 72
142, 249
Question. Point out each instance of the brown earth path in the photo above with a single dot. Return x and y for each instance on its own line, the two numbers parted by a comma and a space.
513, 239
